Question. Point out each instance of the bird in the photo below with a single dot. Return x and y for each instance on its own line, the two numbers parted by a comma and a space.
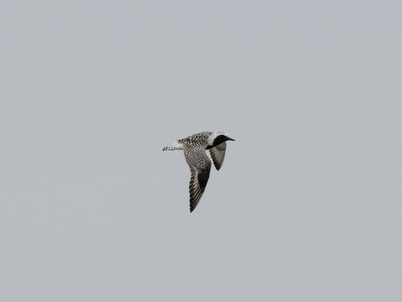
194, 147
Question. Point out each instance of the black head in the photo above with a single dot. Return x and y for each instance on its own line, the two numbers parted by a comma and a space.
218, 138
221, 138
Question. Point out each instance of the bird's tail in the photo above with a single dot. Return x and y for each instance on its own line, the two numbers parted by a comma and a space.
175, 146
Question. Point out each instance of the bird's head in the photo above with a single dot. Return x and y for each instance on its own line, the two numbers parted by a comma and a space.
218, 138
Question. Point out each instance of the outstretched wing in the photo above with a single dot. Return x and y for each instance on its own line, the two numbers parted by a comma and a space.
200, 166
198, 183
218, 155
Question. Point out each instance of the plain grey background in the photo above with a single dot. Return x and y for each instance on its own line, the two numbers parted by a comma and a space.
307, 206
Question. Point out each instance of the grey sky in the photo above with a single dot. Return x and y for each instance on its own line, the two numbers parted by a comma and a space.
307, 206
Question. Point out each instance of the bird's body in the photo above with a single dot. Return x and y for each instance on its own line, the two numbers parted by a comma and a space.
194, 148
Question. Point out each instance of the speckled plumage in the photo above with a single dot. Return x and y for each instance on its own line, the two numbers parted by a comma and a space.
194, 148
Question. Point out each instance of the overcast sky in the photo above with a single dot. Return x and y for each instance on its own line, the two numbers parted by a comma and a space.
308, 204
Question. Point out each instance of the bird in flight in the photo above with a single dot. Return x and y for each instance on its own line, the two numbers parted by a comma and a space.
194, 148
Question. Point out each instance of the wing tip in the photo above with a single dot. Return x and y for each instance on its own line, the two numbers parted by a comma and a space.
192, 207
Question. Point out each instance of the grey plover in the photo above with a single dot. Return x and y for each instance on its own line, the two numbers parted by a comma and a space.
194, 148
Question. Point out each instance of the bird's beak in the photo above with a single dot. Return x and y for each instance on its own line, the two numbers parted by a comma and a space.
230, 139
